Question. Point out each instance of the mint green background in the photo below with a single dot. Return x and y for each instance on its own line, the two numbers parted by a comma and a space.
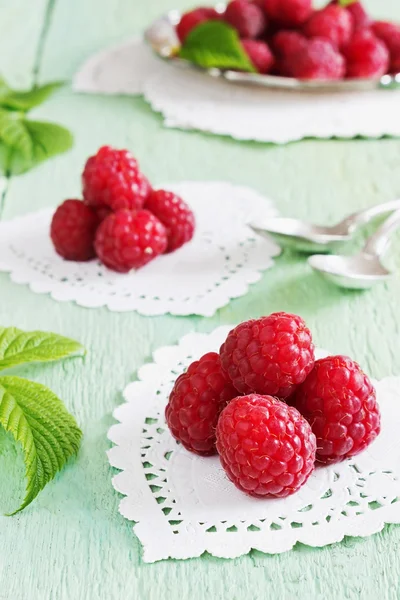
72, 544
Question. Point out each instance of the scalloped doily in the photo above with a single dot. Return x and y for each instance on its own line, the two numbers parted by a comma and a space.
191, 100
220, 262
184, 505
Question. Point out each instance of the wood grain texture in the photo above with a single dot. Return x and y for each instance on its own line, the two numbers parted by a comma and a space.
72, 544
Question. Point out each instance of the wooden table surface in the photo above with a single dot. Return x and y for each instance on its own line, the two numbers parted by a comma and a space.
71, 543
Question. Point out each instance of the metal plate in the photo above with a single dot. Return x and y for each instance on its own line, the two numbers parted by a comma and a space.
161, 35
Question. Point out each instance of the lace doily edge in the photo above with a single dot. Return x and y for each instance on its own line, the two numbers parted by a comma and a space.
17, 276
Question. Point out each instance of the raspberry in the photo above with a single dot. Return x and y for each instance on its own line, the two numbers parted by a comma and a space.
271, 355
195, 403
112, 178
72, 230
389, 33
129, 239
259, 54
339, 402
366, 55
317, 60
248, 19
360, 16
175, 215
287, 42
333, 22
288, 13
192, 19
266, 447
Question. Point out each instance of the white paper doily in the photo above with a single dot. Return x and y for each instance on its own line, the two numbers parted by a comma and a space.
220, 262
191, 100
184, 505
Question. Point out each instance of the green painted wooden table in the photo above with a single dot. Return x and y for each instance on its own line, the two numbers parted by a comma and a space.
72, 544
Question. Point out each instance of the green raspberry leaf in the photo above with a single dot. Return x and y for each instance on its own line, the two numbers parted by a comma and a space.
39, 421
24, 101
14, 134
25, 144
4, 88
346, 2
19, 347
215, 44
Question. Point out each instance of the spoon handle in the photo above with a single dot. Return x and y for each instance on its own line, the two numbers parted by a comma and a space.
365, 216
378, 243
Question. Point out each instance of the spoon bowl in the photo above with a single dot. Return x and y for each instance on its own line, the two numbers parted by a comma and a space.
364, 269
311, 239
358, 272
302, 236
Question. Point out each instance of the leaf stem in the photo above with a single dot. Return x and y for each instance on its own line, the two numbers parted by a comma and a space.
42, 41
4, 192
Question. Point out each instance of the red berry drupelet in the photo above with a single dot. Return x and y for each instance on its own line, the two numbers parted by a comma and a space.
287, 42
73, 229
247, 18
129, 239
195, 403
288, 13
389, 33
266, 447
271, 355
361, 19
259, 54
112, 179
317, 60
339, 401
366, 56
175, 215
192, 19
333, 22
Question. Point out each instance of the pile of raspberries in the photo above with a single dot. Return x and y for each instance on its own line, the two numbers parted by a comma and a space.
121, 220
291, 39
270, 410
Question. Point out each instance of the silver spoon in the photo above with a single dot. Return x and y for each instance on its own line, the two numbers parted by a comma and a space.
300, 235
364, 269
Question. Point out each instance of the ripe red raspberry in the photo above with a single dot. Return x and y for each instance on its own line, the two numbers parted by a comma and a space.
287, 42
366, 56
175, 215
339, 402
389, 33
266, 447
271, 355
359, 14
72, 230
259, 54
333, 22
129, 239
192, 19
361, 20
112, 178
195, 403
288, 13
317, 60
248, 19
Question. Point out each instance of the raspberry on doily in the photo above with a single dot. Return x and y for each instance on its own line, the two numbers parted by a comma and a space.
219, 263
184, 504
